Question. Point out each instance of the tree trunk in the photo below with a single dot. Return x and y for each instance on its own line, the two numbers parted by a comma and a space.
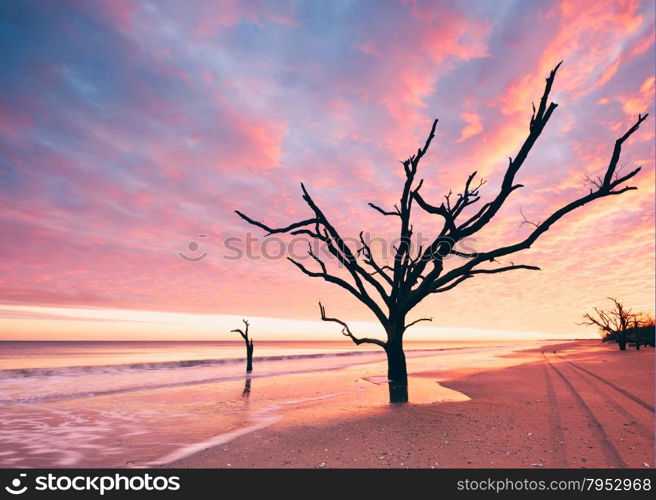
249, 356
397, 374
621, 340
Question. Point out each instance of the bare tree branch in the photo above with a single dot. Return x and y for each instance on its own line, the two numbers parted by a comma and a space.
384, 212
417, 321
347, 332
606, 190
450, 286
365, 250
612, 164
503, 269
538, 121
526, 221
343, 252
273, 230
244, 334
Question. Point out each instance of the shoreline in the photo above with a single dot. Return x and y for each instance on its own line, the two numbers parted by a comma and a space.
139, 418
573, 404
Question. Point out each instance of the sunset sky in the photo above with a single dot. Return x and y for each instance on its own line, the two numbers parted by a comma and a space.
130, 129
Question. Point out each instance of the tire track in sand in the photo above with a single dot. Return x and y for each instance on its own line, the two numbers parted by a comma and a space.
611, 456
624, 392
628, 423
557, 436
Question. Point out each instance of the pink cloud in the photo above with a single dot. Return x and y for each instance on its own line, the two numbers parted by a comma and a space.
587, 32
639, 102
642, 44
215, 15
432, 40
473, 126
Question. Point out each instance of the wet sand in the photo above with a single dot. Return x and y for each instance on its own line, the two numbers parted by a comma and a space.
577, 404
151, 417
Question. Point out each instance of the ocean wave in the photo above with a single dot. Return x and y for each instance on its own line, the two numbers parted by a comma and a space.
161, 365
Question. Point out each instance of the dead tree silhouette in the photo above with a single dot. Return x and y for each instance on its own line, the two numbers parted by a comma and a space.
614, 322
249, 346
392, 291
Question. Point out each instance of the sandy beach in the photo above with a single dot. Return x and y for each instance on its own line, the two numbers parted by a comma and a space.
576, 404
144, 404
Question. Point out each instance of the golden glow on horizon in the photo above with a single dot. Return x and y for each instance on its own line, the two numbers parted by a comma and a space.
62, 323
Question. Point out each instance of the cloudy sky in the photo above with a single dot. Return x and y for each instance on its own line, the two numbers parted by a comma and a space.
131, 131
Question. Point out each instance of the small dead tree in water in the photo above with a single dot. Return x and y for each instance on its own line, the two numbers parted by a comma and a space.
249, 345
392, 290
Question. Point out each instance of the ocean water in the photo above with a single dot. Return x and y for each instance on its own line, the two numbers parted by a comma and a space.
138, 404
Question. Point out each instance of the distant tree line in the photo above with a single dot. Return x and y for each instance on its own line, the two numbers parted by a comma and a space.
622, 325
